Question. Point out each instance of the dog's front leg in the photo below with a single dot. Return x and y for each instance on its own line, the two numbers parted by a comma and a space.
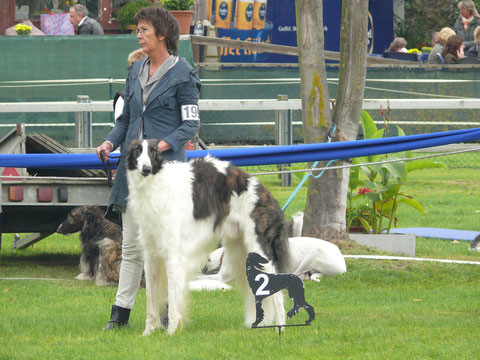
152, 275
177, 286
279, 308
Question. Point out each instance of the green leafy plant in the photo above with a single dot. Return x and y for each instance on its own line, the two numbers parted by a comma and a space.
177, 4
126, 14
381, 195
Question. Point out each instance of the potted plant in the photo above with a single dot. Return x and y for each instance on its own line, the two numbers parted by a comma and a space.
22, 29
375, 204
178, 5
181, 10
126, 14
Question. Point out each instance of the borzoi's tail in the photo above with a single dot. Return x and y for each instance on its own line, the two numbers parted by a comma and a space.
281, 250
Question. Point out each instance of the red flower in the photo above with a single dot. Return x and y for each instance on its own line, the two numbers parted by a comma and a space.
363, 191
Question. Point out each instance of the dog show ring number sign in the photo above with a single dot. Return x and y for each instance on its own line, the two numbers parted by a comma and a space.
264, 284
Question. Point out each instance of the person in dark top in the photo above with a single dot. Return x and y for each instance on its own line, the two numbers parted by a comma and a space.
467, 22
435, 56
474, 51
84, 25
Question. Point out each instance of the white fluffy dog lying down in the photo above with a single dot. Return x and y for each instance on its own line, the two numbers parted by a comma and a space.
311, 258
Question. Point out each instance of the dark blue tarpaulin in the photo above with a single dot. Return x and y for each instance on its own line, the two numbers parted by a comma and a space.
264, 155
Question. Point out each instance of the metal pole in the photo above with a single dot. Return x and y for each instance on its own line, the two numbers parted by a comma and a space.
110, 93
83, 125
283, 136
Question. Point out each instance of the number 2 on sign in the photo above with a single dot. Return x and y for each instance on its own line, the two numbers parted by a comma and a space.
261, 289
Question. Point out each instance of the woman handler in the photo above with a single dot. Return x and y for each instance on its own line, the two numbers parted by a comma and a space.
161, 102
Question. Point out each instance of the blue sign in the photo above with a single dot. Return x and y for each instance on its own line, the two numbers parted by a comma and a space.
284, 32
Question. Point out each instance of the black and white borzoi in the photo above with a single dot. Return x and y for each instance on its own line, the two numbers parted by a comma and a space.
183, 210
264, 284
101, 242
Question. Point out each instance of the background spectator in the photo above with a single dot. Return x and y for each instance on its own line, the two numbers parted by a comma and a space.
435, 38
118, 99
398, 44
453, 50
443, 35
135, 56
467, 22
85, 25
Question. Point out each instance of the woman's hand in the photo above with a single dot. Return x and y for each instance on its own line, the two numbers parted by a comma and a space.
163, 146
460, 52
107, 148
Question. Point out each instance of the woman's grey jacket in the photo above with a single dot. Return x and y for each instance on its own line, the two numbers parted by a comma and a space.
161, 119
467, 35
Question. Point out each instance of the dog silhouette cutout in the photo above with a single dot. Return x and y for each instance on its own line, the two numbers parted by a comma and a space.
265, 284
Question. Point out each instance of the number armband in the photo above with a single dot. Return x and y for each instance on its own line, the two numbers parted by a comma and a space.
190, 112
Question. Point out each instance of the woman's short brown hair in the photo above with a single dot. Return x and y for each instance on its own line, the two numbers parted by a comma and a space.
164, 24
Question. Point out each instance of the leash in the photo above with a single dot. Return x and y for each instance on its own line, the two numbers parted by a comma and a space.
300, 185
108, 166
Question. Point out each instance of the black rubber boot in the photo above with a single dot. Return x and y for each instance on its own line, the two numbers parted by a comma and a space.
118, 318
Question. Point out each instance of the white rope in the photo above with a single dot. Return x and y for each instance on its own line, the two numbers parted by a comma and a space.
410, 92
382, 257
56, 124
58, 81
259, 123
263, 123
240, 82
368, 257
255, 83
363, 164
270, 80
456, 123
51, 85
26, 177
41, 279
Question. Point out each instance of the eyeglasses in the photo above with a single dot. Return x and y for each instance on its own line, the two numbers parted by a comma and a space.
142, 31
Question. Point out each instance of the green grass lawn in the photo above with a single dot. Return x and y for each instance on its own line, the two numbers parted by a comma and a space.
377, 310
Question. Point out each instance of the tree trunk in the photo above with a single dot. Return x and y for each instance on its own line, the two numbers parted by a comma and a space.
326, 200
